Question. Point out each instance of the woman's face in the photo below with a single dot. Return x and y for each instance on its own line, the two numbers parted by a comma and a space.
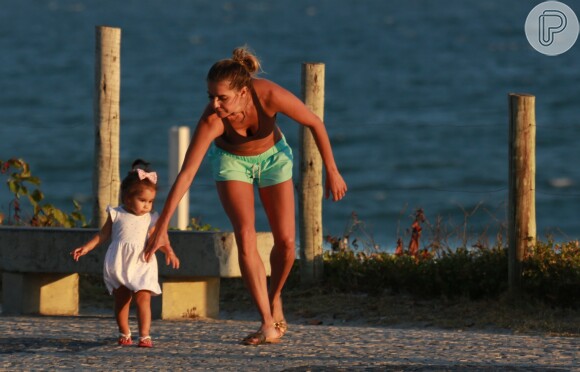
225, 100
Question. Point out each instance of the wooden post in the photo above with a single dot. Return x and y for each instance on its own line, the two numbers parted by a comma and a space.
522, 184
106, 179
311, 188
179, 139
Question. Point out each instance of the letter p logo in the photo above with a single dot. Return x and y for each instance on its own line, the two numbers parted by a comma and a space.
552, 22
552, 28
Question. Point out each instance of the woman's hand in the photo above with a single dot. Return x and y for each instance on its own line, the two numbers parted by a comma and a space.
334, 184
171, 259
158, 240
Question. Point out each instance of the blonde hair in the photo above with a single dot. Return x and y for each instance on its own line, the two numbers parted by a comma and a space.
238, 70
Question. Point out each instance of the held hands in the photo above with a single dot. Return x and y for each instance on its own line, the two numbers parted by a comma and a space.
159, 240
154, 243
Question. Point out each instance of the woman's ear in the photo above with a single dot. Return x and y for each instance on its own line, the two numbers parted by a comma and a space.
244, 91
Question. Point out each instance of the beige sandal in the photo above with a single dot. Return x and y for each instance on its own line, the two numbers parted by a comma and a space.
282, 327
258, 338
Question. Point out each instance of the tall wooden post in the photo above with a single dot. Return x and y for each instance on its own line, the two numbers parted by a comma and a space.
522, 184
311, 188
179, 139
106, 180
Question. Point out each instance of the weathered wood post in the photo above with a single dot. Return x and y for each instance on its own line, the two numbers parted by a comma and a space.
311, 188
106, 179
522, 184
179, 139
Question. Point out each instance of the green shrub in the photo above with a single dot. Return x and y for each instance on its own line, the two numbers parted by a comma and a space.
462, 273
195, 224
550, 272
19, 182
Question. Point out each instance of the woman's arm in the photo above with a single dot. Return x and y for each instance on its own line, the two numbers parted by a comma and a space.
278, 99
208, 129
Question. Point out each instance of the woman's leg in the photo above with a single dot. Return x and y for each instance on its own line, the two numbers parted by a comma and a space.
237, 199
278, 202
122, 304
143, 301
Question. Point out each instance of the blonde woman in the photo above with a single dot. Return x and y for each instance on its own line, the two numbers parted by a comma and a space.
238, 131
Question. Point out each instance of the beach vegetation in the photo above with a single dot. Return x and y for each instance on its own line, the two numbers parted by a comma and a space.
476, 271
27, 206
196, 224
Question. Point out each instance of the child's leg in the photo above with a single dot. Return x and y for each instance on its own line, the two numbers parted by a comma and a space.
143, 301
122, 304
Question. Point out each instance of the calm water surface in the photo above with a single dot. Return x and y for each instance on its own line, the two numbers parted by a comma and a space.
416, 100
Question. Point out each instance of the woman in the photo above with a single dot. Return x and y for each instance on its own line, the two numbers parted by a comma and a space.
247, 147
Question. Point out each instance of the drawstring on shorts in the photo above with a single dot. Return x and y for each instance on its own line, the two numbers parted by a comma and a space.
256, 167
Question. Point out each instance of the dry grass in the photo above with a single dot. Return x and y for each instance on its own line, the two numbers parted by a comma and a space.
316, 306
319, 307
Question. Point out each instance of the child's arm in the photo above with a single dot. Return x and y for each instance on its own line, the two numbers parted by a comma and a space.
170, 256
102, 236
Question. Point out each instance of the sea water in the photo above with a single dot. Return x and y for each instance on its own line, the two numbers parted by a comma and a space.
415, 101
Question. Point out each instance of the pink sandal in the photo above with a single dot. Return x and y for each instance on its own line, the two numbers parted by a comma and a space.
145, 341
125, 340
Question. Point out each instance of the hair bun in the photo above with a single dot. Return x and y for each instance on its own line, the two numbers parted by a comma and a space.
140, 164
246, 58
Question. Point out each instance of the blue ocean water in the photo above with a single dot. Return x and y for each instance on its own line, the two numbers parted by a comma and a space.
415, 101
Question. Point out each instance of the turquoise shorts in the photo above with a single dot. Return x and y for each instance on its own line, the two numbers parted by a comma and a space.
271, 167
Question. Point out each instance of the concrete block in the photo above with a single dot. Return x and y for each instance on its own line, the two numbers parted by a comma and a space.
47, 250
226, 251
184, 298
44, 293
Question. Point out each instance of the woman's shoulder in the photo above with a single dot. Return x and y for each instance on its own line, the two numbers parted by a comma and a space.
264, 86
269, 93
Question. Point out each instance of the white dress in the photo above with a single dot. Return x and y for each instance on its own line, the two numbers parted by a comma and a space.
125, 264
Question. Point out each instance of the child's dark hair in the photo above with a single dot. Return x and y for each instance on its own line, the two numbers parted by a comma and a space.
132, 183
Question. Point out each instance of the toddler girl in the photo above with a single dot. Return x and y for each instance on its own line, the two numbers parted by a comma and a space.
126, 273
